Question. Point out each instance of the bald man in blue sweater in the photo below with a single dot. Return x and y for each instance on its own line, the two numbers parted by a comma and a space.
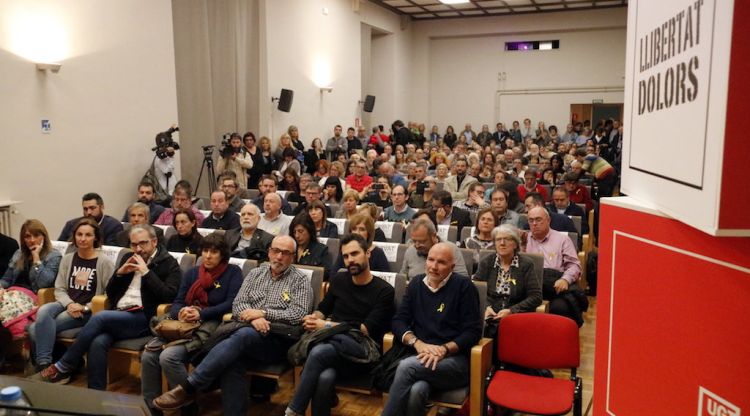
439, 318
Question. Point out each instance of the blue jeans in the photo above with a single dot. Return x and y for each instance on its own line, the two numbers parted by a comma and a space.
51, 319
318, 380
172, 361
228, 361
410, 391
101, 331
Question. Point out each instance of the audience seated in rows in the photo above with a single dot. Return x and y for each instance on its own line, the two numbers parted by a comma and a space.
206, 293
277, 293
146, 277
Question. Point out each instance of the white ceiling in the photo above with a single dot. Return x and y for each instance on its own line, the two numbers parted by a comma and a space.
434, 9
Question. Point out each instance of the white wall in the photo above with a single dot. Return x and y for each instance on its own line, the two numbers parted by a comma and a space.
457, 62
304, 49
115, 91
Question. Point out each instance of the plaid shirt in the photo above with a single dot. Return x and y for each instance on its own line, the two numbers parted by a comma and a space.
286, 299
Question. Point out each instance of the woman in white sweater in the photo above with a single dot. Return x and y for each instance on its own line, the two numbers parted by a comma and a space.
83, 274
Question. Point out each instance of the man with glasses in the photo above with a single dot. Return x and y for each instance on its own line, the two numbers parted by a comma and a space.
230, 186
399, 211
146, 278
180, 200
423, 237
359, 179
274, 292
313, 192
562, 269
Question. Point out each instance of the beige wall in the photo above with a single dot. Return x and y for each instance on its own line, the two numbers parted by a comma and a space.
115, 91
306, 49
456, 66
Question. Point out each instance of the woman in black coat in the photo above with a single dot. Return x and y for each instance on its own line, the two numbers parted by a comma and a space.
310, 252
512, 286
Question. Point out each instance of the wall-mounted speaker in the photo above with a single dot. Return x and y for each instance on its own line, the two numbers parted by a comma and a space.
369, 104
285, 100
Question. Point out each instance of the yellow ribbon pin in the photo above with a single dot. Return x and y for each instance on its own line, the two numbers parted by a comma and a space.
441, 307
217, 285
285, 296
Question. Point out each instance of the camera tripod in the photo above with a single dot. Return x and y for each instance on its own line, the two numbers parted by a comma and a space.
208, 165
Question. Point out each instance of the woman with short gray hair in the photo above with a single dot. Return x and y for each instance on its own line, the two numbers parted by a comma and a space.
511, 283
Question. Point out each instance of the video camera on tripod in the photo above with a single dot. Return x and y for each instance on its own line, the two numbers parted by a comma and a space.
164, 142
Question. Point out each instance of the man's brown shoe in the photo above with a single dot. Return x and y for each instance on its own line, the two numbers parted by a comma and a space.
173, 399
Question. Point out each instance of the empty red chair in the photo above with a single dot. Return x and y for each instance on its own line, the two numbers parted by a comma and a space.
536, 341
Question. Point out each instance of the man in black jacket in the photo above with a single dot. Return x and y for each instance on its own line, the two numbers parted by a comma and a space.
558, 222
93, 207
146, 278
355, 298
249, 241
401, 134
447, 214
561, 204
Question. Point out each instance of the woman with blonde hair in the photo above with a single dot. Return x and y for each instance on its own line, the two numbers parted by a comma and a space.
336, 169
348, 204
285, 142
437, 159
371, 210
442, 172
266, 157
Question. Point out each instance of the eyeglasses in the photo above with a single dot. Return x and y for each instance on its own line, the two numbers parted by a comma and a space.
141, 244
274, 251
535, 220
228, 186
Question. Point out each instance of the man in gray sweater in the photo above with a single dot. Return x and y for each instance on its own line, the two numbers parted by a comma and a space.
423, 237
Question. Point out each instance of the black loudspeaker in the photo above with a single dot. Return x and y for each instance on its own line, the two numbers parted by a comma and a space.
369, 104
285, 101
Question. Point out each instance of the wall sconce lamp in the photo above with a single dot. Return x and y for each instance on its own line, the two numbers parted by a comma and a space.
54, 67
326, 89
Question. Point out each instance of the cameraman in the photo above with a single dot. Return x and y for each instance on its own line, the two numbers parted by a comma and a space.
163, 165
164, 170
234, 157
